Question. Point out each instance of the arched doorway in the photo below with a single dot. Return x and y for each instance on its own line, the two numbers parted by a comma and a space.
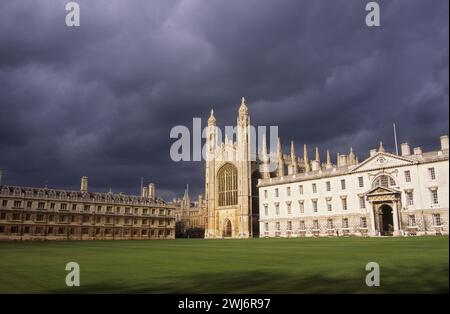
386, 220
227, 229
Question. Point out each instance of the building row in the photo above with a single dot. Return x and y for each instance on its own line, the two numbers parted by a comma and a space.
284, 195
385, 194
50, 214
189, 214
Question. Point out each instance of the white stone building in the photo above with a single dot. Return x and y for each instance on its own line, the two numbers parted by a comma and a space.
386, 194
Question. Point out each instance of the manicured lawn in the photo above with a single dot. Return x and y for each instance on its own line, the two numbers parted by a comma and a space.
325, 265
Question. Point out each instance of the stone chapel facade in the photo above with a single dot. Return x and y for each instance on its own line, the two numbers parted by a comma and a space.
230, 181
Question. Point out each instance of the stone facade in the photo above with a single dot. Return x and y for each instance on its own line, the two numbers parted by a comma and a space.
386, 194
191, 214
49, 214
230, 181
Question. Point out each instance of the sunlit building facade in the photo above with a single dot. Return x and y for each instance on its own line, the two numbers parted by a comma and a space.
49, 214
386, 194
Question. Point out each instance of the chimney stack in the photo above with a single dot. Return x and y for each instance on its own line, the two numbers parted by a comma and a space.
406, 150
417, 151
84, 184
444, 142
151, 190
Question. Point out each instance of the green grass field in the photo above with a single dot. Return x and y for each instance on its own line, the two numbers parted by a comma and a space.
324, 265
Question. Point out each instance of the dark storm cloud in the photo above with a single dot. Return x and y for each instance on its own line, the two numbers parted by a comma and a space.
100, 100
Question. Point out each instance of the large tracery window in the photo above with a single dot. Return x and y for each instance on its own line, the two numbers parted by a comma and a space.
227, 177
384, 180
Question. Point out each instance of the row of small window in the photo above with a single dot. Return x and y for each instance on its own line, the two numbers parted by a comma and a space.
431, 174
86, 208
315, 226
71, 218
362, 203
433, 197
315, 207
84, 231
407, 173
300, 188
436, 220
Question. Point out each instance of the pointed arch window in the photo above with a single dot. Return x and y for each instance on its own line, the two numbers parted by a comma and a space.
227, 185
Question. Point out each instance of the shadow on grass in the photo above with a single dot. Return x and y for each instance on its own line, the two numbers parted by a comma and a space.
417, 280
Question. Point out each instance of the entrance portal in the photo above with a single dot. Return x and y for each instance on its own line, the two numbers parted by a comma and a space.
387, 220
227, 229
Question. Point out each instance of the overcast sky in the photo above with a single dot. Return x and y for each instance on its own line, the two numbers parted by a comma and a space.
100, 100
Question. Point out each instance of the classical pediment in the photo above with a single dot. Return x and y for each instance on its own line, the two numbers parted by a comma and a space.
382, 160
381, 190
